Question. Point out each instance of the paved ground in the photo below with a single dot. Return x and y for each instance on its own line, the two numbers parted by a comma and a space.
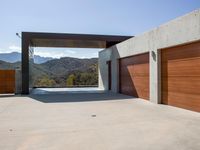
95, 122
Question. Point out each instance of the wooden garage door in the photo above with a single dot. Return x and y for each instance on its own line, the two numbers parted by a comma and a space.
134, 76
7, 81
181, 76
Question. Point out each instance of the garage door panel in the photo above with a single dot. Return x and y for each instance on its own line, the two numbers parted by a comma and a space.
129, 73
182, 52
189, 67
181, 98
186, 101
138, 59
142, 89
137, 83
182, 84
129, 89
136, 71
134, 76
181, 76
125, 72
141, 82
142, 69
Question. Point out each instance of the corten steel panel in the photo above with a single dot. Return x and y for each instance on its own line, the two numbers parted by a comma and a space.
181, 76
7, 81
134, 76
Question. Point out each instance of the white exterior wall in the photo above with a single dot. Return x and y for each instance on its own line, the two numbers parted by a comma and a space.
180, 31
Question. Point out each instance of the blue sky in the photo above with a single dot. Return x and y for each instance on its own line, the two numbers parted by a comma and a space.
115, 17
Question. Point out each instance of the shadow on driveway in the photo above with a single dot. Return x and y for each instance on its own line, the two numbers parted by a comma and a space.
77, 97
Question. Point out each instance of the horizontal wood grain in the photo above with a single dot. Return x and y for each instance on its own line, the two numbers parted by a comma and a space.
186, 67
134, 76
180, 76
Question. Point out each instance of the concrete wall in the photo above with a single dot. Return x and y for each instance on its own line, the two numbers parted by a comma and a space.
179, 31
18, 81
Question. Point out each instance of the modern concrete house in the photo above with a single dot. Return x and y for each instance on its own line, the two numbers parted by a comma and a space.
158, 67
162, 65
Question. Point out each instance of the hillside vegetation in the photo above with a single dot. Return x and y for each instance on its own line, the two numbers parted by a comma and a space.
63, 72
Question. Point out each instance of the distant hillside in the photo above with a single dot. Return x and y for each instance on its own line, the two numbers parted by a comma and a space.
10, 57
68, 64
57, 71
37, 70
38, 59
7, 65
15, 57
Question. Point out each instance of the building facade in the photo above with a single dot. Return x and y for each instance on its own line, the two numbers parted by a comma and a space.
162, 65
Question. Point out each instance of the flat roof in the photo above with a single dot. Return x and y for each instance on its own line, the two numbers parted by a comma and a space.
42, 39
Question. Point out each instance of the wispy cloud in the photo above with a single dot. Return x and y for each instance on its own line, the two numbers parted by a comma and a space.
15, 48
55, 53
48, 54
11, 48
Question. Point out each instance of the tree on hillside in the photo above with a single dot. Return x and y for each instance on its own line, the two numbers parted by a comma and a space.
71, 80
44, 81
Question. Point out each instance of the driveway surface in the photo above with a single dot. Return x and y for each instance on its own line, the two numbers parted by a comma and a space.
94, 121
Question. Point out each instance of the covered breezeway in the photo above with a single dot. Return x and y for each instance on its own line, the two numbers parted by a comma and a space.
59, 40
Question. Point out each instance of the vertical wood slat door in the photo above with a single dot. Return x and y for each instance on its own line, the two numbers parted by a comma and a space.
181, 76
7, 81
134, 76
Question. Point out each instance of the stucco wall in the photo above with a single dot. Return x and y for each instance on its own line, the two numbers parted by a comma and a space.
179, 31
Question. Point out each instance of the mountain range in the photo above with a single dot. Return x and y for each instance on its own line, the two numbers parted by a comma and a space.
15, 57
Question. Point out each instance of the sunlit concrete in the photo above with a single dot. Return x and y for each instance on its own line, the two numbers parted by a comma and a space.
97, 121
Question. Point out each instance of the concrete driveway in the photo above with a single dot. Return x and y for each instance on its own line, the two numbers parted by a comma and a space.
103, 121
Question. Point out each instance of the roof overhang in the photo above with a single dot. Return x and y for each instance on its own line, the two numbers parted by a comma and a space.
39, 39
